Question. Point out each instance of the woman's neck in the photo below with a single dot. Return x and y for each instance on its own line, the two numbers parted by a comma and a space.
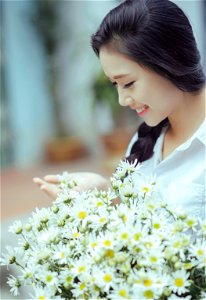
188, 118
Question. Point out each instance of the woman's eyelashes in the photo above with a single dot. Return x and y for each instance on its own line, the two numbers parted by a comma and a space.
126, 85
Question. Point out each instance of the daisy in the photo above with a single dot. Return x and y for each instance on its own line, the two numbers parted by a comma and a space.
198, 253
14, 284
41, 293
122, 291
61, 253
105, 279
179, 282
79, 267
66, 278
50, 278
16, 227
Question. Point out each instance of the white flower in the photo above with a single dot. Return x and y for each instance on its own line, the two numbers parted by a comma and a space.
10, 257
85, 248
153, 257
140, 292
61, 253
105, 278
122, 291
179, 282
191, 223
198, 252
66, 278
15, 284
16, 227
144, 185
79, 289
203, 295
106, 241
43, 293
50, 279
80, 267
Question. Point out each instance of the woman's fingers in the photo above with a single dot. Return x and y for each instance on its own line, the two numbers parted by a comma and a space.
52, 178
38, 181
50, 190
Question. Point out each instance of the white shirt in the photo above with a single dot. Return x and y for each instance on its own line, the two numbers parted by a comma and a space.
180, 177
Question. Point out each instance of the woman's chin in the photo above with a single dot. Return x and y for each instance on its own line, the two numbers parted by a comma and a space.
152, 123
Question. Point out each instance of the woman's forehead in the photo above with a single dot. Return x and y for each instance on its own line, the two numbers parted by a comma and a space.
116, 64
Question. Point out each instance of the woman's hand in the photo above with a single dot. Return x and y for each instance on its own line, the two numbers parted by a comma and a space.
85, 181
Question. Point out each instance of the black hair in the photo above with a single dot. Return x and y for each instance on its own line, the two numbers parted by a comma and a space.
156, 34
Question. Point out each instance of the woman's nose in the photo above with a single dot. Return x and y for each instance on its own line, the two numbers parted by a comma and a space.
125, 101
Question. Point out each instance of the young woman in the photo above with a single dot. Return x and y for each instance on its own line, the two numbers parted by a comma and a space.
148, 50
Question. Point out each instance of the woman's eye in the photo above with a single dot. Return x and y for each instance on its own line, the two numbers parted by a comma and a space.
128, 85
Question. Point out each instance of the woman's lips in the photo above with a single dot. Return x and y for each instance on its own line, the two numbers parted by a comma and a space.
142, 110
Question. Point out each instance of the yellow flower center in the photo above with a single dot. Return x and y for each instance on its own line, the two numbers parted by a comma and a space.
107, 243
41, 298
68, 279
145, 189
102, 220
156, 226
93, 245
49, 278
81, 269
137, 236
62, 255
82, 286
107, 278
82, 215
179, 282
200, 252
149, 294
124, 218
76, 234
153, 259
123, 293
100, 203
190, 223
148, 245
109, 253
177, 244
124, 235
147, 282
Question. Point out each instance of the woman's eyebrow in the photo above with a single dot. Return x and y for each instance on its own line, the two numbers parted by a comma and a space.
120, 76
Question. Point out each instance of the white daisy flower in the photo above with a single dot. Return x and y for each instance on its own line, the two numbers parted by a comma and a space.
105, 279
66, 278
16, 227
43, 293
179, 282
50, 278
140, 292
61, 253
79, 289
14, 284
79, 267
122, 291
198, 253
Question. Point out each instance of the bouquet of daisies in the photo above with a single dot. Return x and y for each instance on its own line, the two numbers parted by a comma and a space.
86, 247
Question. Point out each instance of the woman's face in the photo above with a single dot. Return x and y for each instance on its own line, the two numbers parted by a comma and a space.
152, 96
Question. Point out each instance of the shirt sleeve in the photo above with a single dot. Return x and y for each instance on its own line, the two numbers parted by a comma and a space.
131, 143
